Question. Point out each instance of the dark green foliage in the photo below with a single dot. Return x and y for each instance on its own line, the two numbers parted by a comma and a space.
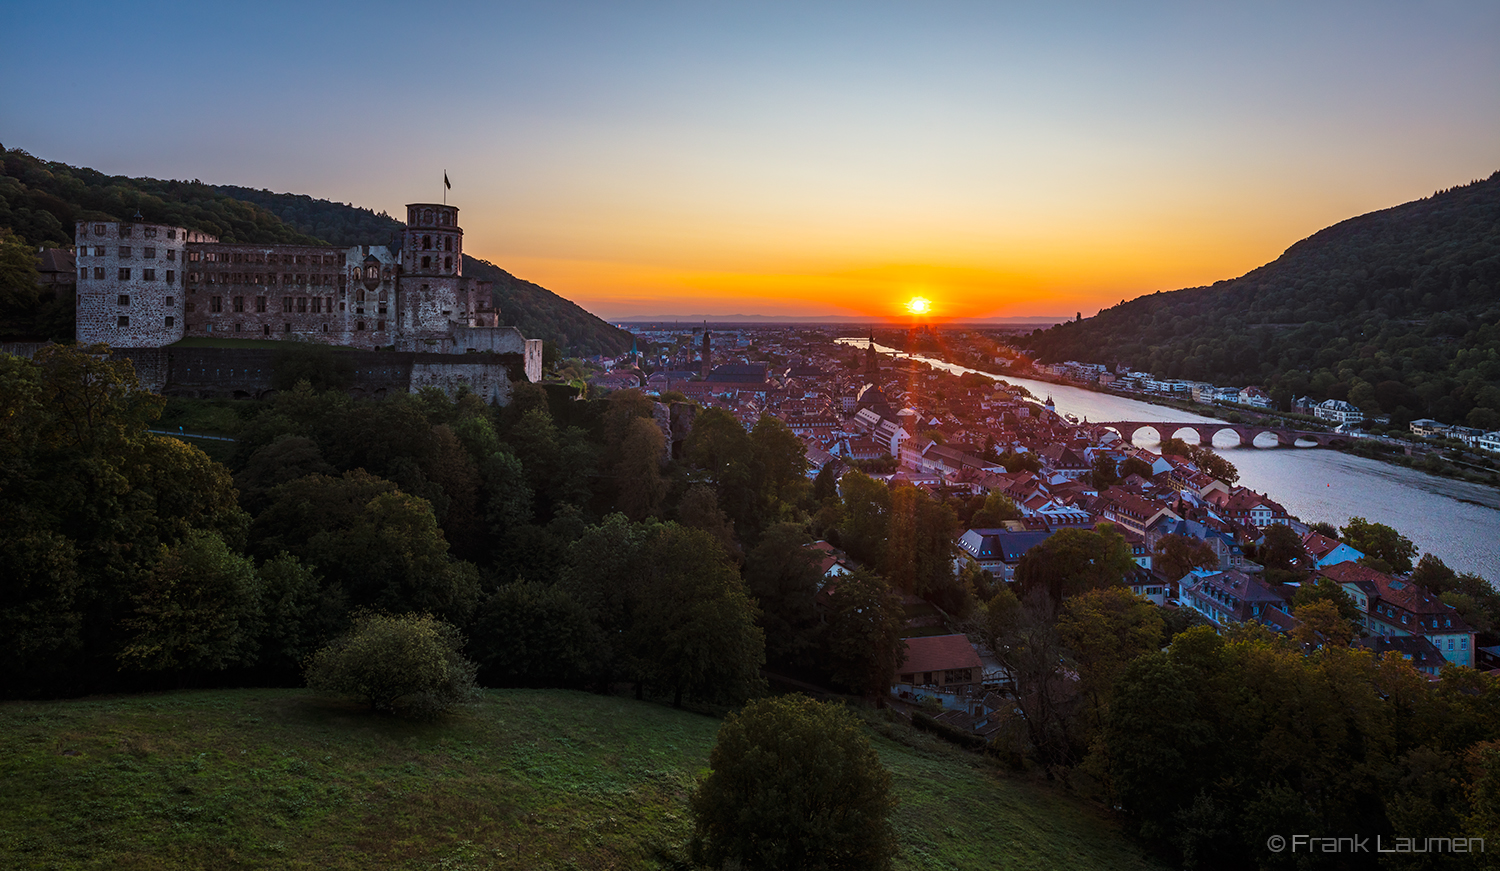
1073, 561
1394, 311
793, 786
783, 575
338, 224
862, 644
1381, 542
409, 664
1325, 590
43, 200
197, 609
533, 634
1215, 745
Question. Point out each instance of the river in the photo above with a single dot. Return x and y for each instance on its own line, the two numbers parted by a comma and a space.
1455, 520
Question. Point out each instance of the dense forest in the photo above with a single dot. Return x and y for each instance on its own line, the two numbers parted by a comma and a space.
1397, 311
41, 200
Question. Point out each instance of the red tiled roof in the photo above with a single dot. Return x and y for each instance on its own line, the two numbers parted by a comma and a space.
939, 652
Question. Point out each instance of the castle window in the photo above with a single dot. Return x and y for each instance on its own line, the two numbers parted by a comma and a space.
124, 321
266, 330
99, 272
171, 253
373, 273
260, 303
98, 251
302, 305
216, 303
325, 328
83, 229
148, 274
123, 300
98, 229
237, 326
448, 244
380, 325
170, 276
194, 256
286, 303
427, 216
239, 303
426, 262
150, 232
359, 325
124, 273
288, 328
83, 272
171, 321
171, 233
168, 300
148, 253
124, 251
124, 231
317, 303
192, 306
426, 243
447, 264
382, 296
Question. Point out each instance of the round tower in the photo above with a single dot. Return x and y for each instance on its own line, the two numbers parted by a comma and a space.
434, 242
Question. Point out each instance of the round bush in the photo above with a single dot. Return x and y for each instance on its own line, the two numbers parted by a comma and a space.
406, 664
794, 785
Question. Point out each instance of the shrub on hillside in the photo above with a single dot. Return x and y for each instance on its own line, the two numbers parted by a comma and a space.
794, 785
406, 664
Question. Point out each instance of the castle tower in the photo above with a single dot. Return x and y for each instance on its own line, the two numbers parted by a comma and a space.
433, 291
131, 282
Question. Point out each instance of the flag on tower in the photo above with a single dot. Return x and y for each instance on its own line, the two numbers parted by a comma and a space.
447, 185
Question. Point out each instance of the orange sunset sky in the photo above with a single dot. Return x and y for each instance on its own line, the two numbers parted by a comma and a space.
998, 159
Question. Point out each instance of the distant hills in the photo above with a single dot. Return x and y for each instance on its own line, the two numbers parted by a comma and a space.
41, 200
1397, 311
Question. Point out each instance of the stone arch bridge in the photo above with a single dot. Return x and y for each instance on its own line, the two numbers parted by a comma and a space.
1247, 433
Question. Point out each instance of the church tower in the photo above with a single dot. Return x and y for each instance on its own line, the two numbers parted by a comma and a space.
707, 352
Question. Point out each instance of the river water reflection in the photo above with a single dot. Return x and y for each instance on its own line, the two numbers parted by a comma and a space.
1456, 520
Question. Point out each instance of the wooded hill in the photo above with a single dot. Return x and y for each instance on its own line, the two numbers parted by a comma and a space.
1397, 311
40, 201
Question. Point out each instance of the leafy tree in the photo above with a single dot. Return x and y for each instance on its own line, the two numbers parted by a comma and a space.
720, 447
997, 509
863, 640
867, 505
1105, 629
1023, 461
1320, 624
793, 784
299, 614
920, 549
699, 509
408, 664
1135, 466
1326, 590
1176, 555
20, 296
1104, 474
1073, 561
1281, 550
1025, 641
782, 573
533, 634
1380, 542
781, 460
198, 609
323, 367
637, 473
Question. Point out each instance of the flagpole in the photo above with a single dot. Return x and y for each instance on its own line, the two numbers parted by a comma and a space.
445, 187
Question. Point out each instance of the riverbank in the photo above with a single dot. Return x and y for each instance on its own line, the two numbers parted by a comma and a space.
1383, 449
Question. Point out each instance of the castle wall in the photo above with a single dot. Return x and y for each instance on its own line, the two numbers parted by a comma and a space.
488, 379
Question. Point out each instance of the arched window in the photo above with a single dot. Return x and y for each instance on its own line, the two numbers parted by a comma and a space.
427, 216
448, 263
382, 296
372, 273
426, 262
448, 244
426, 243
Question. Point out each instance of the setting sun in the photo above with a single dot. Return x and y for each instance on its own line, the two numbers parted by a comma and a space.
918, 305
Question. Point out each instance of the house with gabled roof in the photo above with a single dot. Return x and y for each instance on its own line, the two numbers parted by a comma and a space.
1326, 551
1230, 597
948, 663
1393, 607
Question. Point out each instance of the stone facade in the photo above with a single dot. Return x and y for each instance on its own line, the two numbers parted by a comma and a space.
131, 282
148, 286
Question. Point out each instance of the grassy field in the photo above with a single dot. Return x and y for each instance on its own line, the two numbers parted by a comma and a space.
521, 779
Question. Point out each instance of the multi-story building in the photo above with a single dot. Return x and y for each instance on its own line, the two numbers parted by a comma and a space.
143, 285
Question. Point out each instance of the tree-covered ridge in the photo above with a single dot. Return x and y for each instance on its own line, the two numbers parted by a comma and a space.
1397, 311
537, 311
340, 224
41, 200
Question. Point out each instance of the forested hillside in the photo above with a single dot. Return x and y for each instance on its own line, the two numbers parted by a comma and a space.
1397, 311
40, 201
